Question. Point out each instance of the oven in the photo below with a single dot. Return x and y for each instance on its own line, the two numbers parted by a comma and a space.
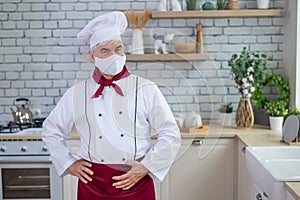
26, 171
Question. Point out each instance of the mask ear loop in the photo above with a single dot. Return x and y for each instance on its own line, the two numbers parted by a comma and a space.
135, 111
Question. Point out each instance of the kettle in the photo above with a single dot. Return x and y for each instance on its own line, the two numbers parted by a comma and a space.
193, 120
23, 114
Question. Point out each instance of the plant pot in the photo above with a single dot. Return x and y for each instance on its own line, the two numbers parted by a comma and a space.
191, 4
262, 4
260, 116
244, 117
276, 123
226, 119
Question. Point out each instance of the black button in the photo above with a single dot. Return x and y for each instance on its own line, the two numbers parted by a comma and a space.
122, 135
100, 137
102, 160
100, 115
123, 159
120, 112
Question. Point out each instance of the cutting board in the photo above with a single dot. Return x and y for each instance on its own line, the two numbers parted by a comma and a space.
194, 130
290, 129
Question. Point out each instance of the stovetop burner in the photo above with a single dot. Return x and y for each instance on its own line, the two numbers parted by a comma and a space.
14, 127
11, 127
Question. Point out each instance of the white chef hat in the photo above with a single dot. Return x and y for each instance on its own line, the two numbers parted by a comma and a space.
104, 27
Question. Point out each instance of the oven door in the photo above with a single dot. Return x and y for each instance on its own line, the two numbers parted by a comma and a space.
30, 179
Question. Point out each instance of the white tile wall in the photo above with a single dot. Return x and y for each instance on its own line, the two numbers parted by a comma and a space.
40, 57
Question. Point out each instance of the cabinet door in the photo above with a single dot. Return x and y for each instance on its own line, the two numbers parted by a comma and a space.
70, 182
289, 196
70, 187
247, 189
158, 190
202, 171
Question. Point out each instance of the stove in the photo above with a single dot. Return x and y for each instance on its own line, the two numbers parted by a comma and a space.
26, 169
16, 127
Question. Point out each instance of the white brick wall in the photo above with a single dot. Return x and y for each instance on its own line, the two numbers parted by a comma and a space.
40, 57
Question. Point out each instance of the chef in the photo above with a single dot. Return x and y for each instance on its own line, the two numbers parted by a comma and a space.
114, 113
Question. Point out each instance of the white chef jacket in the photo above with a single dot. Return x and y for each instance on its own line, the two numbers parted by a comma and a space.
106, 126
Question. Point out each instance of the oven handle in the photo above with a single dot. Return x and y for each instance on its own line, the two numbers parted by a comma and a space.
25, 159
27, 187
34, 177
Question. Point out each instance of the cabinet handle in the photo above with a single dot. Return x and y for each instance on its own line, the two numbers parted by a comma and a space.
243, 149
197, 142
258, 196
265, 194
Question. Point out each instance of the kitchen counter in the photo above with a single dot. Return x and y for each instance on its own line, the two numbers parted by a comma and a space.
14, 136
256, 136
263, 135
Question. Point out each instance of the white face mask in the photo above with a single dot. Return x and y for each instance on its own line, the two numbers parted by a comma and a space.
111, 65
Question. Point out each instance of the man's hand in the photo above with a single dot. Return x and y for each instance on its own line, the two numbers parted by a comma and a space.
81, 169
136, 173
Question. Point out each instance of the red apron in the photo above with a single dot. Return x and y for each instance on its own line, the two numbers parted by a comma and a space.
100, 188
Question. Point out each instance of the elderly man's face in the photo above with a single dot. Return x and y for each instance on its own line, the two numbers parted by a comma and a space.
107, 49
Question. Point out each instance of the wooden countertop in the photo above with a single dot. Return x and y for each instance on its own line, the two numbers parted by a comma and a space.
256, 136
263, 136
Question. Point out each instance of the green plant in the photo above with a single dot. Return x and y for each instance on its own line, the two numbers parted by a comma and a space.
226, 108
208, 6
294, 111
276, 108
221, 4
191, 4
272, 79
247, 70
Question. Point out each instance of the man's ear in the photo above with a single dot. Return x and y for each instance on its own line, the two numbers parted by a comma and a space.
90, 57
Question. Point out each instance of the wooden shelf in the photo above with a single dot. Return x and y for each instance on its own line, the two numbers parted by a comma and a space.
217, 13
167, 57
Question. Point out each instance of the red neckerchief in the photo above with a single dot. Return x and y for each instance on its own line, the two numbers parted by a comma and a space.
99, 78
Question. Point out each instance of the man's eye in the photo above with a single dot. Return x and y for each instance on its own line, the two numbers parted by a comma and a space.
119, 49
104, 52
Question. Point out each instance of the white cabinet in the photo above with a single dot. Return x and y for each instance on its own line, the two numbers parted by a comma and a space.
202, 171
289, 196
70, 187
70, 182
247, 188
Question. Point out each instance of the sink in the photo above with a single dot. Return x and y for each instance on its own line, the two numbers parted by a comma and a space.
282, 162
284, 169
271, 166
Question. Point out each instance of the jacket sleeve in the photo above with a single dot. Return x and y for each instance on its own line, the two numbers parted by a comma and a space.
56, 129
160, 157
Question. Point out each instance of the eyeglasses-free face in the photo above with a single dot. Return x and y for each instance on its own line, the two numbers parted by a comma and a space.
107, 49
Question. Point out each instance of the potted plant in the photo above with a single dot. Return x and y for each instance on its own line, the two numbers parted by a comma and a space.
221, 4
191, 4
247, 70
225, 114
277, 111
260, 100
262, 4
294, 111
